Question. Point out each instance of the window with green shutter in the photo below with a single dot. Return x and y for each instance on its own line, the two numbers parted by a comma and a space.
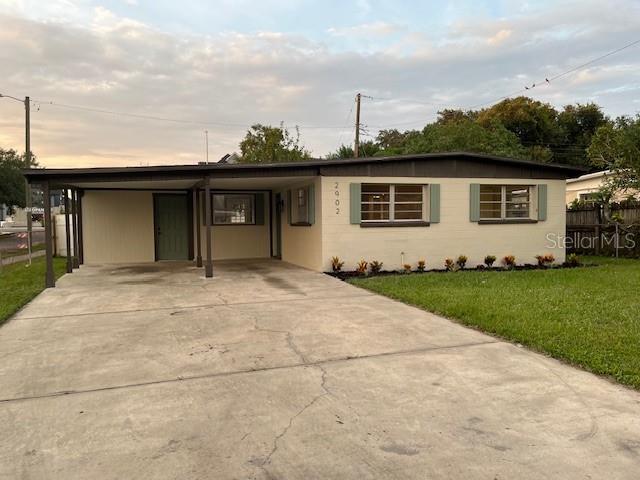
379, 204
494, 203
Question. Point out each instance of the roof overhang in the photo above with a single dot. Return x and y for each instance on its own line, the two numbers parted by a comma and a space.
435, 165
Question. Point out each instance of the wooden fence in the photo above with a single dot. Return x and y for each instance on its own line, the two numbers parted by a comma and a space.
589, 233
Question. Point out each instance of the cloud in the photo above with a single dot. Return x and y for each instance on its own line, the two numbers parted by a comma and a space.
229, 80
499, 37
375, 29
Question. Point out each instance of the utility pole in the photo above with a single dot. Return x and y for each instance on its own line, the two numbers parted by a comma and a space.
206, 145
356, 144
27, 157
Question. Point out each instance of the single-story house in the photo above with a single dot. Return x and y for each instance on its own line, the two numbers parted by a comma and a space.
396, 210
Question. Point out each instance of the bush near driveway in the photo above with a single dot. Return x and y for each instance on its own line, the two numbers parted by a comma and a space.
586, 316
19, 284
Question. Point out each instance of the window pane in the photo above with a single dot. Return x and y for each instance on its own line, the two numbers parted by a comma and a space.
408, 193
490, 210
377, 212
408, 215
233, 209
490, 193
300, 209
517, 210
373, 193
517, 193
375, 202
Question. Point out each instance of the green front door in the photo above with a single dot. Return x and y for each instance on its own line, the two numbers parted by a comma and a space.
172, 227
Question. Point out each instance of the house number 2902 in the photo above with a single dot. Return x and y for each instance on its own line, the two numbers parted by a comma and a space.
336, 192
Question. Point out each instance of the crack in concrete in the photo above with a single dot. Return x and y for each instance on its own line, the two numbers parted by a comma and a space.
314, 363
288, 336
280, 436
224, 303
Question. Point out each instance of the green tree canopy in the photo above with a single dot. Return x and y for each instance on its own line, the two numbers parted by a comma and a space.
369, 148
12, 183
532, 121
577, 124
267, 144
616, 146
468, 136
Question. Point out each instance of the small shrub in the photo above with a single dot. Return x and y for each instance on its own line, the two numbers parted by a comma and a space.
545, 260
362, 267
336, 264
461, 261
375, 266
407, 268
509, 261
422, 265
449, 265
489, 260
573, 260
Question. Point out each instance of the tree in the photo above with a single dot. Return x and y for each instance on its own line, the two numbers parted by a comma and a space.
532, 121
12, 184
577, 125
267, 144
616, 146
367, 149
344, 151
467, 136
449, 115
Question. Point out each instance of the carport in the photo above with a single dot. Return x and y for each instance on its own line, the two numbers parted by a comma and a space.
198, 213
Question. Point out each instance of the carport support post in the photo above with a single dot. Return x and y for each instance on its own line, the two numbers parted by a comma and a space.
74, 223
196, 209
67, 230
80, 193
208, 266
49, 278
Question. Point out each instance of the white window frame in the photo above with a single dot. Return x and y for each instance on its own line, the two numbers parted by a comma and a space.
392, 204
503, 201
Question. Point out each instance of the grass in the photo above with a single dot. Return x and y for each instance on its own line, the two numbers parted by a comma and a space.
589, 317
19, 284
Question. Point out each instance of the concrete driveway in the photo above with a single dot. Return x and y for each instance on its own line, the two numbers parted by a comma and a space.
271, 371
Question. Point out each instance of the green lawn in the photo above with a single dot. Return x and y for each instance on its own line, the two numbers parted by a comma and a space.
19, 284
586, 316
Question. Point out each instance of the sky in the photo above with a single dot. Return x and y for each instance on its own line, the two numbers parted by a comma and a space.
222, 66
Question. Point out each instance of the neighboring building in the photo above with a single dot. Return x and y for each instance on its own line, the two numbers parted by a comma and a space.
392, 209
585, 188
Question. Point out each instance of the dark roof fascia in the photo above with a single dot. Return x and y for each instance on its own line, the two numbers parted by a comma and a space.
312, 167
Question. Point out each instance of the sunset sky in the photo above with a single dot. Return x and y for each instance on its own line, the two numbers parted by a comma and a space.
225, 65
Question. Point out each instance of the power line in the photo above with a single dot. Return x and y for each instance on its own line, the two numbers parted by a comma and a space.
168, 119
546, 81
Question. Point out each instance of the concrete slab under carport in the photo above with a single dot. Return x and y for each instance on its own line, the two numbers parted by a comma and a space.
273, 371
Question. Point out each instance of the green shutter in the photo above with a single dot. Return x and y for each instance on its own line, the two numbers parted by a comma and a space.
311, 204
474, 202
542, 202
434, 203
289, 207
355, 199
259, 205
